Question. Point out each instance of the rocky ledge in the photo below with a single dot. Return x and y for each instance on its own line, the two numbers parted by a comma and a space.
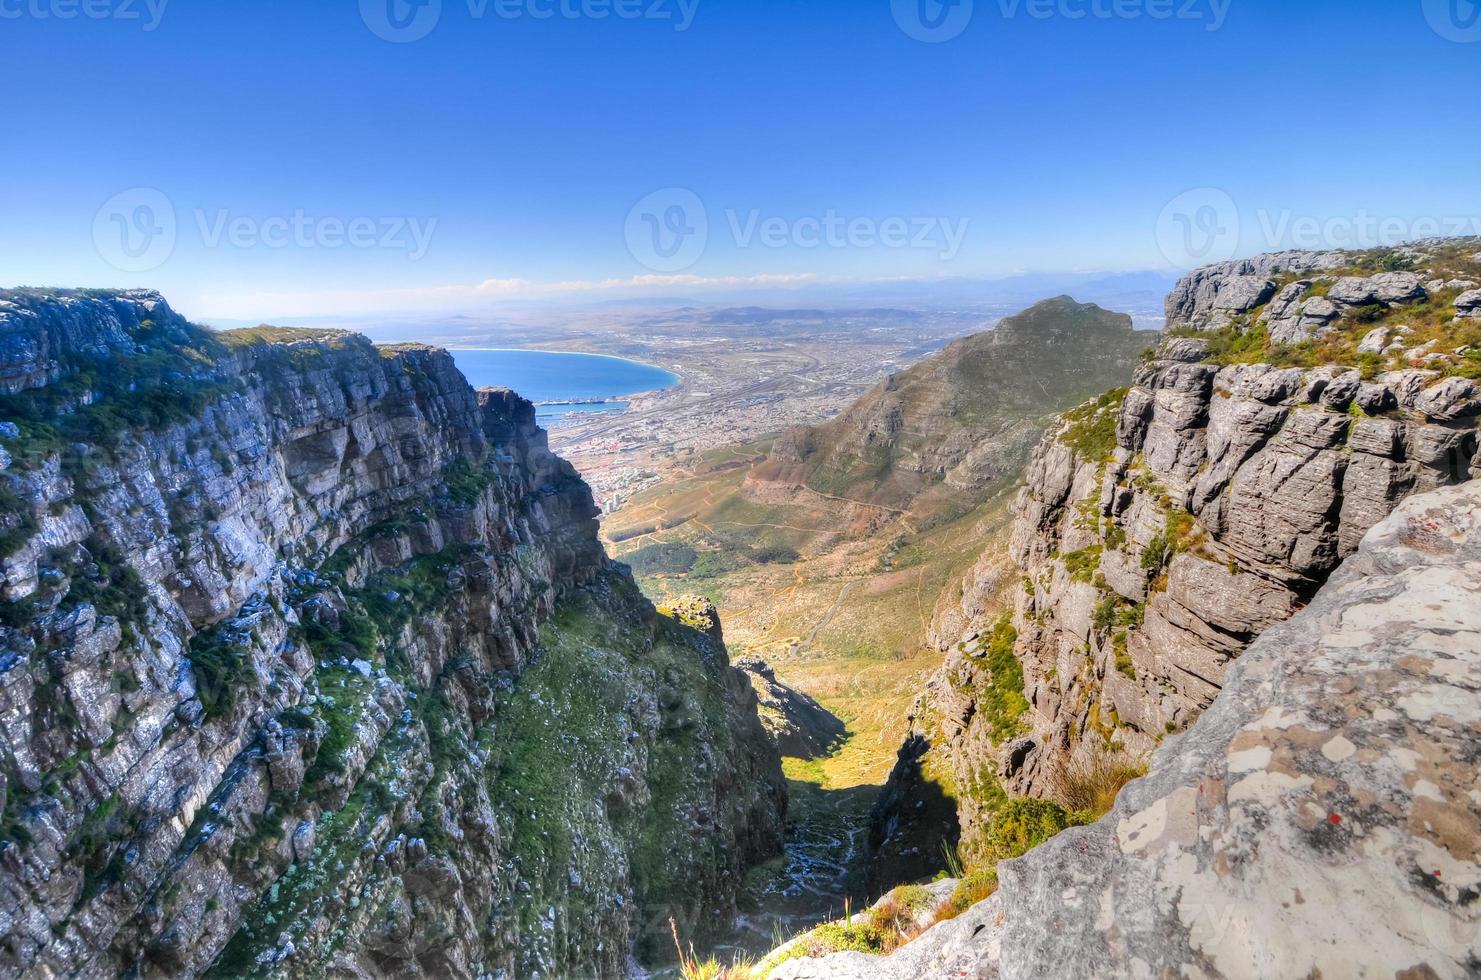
1320, 819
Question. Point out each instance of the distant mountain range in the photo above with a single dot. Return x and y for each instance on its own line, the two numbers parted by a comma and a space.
1139, 293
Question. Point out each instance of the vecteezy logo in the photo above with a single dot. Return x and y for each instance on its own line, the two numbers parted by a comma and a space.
1199, 227
401, 21
134, 231
1454, 20
932, 21
667, 231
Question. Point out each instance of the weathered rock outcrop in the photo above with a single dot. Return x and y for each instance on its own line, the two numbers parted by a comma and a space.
1161, 530
1320, 819
1232, 493
800, 726
311, 662
1211, 297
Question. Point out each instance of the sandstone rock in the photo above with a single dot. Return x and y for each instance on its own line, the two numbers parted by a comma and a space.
798, 725
194, 694
1239, 294
1279, 483
1390, 288
1292, 319
1374, 341
1375, 399
1208, 298
1341, 391
1468, 304
1451, 400
1185, 350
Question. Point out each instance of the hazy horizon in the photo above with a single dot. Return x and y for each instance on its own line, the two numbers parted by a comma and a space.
441, 156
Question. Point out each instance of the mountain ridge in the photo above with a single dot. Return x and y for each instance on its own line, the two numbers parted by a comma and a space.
922, 429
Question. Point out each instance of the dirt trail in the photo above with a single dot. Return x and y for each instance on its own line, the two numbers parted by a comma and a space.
820, 870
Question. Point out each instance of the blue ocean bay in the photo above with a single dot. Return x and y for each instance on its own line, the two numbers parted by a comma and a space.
559, 381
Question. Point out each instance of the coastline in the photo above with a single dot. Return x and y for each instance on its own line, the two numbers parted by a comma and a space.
556, 412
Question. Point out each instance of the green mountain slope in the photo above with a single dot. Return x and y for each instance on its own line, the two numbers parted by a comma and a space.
934, 438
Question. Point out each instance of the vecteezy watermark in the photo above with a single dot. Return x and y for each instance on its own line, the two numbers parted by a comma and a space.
404, 21
1205, 226
935, 21
1211, 13
148, 13
669, 230
932, 21
1361, 230
1454, 20
135, 230
138, 230
303, 230
944, 236
401, 21
1198, 227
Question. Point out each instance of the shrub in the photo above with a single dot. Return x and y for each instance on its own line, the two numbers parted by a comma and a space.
667, 558
711, 564
1092, 429
776, 555
466, 481
1083, 564
1157, 552
1124, 663
222, 670
1003, 703
1022, 824
975, 887
1092, 786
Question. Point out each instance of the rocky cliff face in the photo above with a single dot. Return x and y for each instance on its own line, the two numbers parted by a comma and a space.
1320, 819
311, 661
1163, 527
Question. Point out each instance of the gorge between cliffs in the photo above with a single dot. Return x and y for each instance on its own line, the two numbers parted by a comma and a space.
317, 662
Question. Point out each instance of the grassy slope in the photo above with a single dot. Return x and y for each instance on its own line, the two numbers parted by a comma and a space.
844, 622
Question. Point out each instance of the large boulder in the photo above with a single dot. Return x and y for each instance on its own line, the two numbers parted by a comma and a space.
1386, 287
1468, 304
1292, 317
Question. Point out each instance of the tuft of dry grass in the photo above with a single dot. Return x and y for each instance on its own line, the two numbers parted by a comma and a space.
691, 967
975, 887
1092, 787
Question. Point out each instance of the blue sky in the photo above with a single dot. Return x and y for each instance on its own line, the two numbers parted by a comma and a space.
501, 155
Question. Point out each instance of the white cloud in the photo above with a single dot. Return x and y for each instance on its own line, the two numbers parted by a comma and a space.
277, 305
